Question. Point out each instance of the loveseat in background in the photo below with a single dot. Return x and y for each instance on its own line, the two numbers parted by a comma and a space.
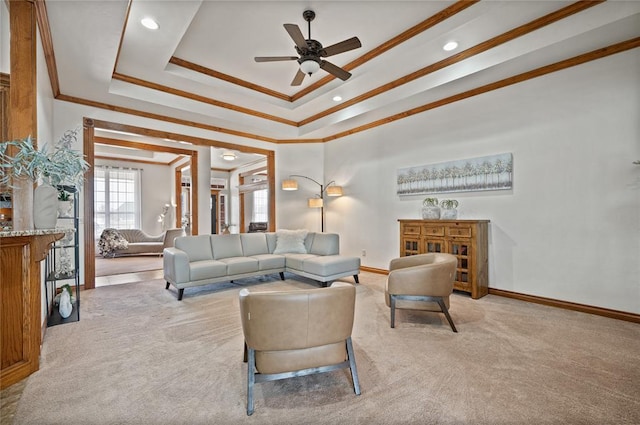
121, 242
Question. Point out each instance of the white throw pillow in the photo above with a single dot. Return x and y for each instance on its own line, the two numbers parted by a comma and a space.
290, 241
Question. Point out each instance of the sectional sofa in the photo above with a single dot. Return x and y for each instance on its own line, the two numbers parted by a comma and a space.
206, 259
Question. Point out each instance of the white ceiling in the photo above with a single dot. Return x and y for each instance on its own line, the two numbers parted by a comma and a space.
92, 40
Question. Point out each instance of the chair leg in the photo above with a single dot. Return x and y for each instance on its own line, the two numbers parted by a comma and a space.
352, 367
392, 300
355, 277
251, 380
281, 275
167, 287
244, 359
180, 294
445, 310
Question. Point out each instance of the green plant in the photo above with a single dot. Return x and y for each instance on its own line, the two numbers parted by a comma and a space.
62, 165
63, 195
430, 202
449, 204
66, 285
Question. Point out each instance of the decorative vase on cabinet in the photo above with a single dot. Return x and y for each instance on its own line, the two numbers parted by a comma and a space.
430, 209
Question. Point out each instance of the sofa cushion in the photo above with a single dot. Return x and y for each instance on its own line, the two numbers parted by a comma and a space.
239, 265
226, 246
202, 270
254, 244
325, 244
330, 265
271, 241
296, 261
290, 241
269, 261
198, 248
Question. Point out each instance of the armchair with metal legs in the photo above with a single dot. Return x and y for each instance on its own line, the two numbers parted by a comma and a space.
421, 282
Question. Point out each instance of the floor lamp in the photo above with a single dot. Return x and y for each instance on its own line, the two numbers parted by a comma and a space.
331, 189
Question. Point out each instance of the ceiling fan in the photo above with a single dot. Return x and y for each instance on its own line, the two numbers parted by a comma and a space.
311, 52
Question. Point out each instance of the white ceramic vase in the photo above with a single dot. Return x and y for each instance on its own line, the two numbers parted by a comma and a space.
65, 208
449, 214
45, 207
430, 212
65, 307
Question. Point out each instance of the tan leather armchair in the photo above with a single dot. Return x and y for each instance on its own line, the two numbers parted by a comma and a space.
421, 282
296, 333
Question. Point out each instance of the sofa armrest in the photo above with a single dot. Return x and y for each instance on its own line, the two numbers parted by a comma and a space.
175, 265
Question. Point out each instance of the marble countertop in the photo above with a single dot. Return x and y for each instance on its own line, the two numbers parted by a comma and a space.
34, 232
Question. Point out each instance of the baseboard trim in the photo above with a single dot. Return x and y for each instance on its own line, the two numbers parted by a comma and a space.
600, 311
374, 270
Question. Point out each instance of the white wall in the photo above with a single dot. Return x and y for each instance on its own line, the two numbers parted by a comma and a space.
291, 206
569, 229
4, 39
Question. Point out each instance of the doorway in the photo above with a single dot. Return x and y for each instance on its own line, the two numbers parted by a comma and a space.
89, 140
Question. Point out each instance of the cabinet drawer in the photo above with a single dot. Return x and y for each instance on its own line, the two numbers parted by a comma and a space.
459, 231
411, 229
433, 230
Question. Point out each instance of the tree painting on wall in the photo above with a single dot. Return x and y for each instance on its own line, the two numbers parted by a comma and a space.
494, 172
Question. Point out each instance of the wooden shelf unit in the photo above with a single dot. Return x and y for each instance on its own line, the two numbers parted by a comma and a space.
466, 239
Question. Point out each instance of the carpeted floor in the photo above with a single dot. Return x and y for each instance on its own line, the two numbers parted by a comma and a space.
139, 356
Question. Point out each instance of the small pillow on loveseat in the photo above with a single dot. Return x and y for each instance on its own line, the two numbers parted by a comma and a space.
290, 241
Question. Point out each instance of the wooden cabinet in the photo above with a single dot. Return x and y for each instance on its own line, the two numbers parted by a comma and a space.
21, 302
466, 239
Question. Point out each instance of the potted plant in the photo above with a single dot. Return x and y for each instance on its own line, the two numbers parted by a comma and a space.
58, 166
65, 202
449, 207
430, 209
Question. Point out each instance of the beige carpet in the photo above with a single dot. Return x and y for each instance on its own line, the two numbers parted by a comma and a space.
139, 356
132, 264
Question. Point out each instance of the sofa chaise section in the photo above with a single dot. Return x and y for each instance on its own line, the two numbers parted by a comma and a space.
207, 259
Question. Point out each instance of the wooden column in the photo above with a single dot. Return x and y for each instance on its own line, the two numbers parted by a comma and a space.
22, 98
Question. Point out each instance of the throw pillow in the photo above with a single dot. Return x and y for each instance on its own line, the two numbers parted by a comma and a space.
290, 241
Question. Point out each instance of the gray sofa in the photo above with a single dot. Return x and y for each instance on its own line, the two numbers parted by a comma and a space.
206, 259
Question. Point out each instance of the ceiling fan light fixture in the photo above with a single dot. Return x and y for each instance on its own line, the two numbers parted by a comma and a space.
309, 66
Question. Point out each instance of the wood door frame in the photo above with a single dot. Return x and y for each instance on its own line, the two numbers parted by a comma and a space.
89, 140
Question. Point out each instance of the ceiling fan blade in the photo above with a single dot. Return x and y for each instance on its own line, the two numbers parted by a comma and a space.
335, 70
343, 46
297, 80
296, 35
274, 58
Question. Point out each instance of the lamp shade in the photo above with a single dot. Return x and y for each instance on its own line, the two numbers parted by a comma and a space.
315, 203
289, 184
309, 66
334, 191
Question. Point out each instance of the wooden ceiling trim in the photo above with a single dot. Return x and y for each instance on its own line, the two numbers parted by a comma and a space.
137, 161
228, 78
124, 27
430, 22
106, 125
203, 99
188, 123
458, 57
555, 67
140, 145
47, 45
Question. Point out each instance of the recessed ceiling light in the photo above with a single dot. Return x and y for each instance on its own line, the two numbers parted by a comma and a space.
337, 98
450, 46
150, 23
228, 156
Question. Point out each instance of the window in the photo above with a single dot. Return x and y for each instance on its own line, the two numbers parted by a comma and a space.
260, 206
117, 198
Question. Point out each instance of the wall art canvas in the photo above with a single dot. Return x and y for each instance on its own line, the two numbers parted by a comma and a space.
494, 172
